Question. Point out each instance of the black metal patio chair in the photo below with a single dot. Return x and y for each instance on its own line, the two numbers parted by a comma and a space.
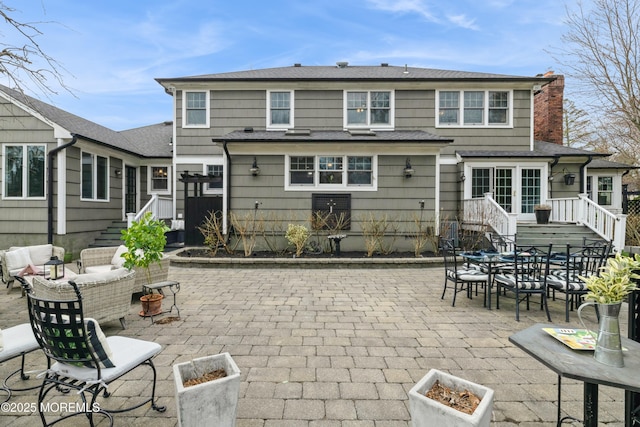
530, 264
570, 264
83, 359
463, 277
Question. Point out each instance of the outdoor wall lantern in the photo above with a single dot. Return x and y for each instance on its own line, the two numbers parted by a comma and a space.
569, 178
118, 173
408, 170
255, 169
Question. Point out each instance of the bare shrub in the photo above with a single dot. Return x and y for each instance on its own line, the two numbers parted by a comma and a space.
212, 231
376, 230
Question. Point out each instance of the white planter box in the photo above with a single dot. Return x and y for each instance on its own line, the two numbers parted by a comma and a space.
428, 412
213, 403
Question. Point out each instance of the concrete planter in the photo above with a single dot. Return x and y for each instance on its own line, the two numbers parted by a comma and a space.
428, 412
213, 403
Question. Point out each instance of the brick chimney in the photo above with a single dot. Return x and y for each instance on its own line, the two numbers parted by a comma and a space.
547, 116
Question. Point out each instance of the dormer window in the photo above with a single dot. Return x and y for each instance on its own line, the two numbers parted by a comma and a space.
370, 109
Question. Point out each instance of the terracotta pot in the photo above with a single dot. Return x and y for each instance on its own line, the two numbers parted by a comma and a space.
151, 305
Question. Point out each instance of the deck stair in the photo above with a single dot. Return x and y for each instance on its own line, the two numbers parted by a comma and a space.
559, 234
111, 236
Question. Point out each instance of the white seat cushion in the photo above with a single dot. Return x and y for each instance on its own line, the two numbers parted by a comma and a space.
117, 259
98, 269
127, 353
18, 339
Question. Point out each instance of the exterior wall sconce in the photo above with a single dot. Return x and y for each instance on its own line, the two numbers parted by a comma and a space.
408, 170
254, 169
118, 173
569, 178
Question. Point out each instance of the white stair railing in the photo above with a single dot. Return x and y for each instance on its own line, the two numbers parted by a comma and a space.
160, 207
481, 212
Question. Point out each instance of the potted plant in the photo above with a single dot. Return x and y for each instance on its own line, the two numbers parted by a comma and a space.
207, 403
145, 241
606, 291
426, 411
542, 212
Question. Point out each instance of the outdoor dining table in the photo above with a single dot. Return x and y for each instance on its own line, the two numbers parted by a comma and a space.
490, 262
581, 365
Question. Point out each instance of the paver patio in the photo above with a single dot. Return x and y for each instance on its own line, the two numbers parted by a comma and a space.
333, 348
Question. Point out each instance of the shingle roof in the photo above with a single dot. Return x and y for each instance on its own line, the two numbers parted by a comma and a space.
542, 149
352, 72
148, 141
332, 136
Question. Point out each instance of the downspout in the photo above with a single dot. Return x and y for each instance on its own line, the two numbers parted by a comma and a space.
556, 159
50, 155
227, 172
583, 178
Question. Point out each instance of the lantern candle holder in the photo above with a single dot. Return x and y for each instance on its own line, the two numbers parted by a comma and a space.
53, 269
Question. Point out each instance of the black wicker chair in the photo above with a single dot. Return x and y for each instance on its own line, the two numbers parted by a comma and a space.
83, 359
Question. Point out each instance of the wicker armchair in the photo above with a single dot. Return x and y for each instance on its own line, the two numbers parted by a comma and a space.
100, 260
105, 296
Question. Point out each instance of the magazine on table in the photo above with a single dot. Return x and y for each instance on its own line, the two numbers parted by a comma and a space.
577, 339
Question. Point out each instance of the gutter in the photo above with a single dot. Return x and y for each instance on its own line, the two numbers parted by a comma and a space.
227, 173
50, 155
556, 159
583, 178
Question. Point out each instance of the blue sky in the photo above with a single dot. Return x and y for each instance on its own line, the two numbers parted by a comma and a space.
112, 50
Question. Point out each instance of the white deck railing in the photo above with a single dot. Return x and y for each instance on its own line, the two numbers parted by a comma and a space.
581, 210
160, 207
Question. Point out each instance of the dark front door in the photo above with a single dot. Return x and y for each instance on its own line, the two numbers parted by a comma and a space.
130, 190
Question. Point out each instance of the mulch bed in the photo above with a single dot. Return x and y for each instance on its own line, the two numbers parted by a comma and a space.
463, 401
210, 376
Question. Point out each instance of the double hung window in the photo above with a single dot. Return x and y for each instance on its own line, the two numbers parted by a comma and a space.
474, 108
215, 172
24, 171
196, 107
369, 109
95, 177
280, 110
331, 171
159, 179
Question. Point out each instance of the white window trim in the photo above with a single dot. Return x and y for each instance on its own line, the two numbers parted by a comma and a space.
94, 179
207, 113
281, 126
616, 192
169, 169
343, 187
24, 173
214, 162
485, 123
368, 125
544, 187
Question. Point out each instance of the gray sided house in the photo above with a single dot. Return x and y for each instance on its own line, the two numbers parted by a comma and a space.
66, 179
400, 143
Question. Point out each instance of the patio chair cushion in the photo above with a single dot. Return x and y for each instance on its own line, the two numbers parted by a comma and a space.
559, 282
1, 342
17, 259
127, 353
117, 259
524, 283
19, 339
98, 345
468, 275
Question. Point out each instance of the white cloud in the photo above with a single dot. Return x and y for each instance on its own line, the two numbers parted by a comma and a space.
463, 21
404, 6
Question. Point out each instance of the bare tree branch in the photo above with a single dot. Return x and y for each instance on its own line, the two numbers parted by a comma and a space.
29, 63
